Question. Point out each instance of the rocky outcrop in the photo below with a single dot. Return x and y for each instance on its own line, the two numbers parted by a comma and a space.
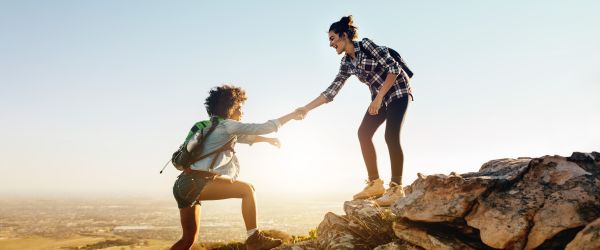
396, 246
524, 203
304, 245
554, 195
427, 238
364, 226
588, 238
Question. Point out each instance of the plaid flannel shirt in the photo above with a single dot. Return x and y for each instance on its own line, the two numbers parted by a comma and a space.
371, 71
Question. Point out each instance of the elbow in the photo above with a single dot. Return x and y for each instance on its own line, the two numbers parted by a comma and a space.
393, 72
275, 125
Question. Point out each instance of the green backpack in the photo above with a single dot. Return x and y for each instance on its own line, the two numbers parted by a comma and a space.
183, 159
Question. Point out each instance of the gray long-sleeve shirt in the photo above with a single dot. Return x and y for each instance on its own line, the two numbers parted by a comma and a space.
226, 162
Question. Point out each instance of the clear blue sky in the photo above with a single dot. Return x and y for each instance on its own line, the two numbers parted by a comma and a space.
95, 95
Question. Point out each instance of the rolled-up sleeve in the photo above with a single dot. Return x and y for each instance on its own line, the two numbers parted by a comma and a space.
383, 57
337, 83
239, 128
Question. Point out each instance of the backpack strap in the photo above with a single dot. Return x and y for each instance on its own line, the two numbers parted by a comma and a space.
225, 147
201, 139
214, 122
394, 54
365, 50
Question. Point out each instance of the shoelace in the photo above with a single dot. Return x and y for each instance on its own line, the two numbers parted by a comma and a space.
264, 237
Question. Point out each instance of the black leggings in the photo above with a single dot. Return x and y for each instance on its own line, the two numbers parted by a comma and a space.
394, 115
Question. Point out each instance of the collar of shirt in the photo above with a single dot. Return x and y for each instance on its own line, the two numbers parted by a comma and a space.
358, 55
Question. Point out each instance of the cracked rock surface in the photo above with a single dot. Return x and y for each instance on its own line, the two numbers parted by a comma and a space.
550, 202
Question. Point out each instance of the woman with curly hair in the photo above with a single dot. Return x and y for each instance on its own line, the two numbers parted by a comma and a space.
389, 87
215, 177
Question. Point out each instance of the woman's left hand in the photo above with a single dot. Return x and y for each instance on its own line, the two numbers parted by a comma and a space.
375, 105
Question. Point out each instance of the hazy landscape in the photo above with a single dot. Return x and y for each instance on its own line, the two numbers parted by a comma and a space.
141, 223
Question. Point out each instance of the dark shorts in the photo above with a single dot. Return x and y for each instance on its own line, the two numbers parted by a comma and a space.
187, 188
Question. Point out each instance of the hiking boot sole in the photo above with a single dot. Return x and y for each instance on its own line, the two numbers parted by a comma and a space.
366, 197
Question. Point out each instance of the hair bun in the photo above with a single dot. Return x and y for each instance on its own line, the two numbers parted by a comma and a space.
345, 25
348, 20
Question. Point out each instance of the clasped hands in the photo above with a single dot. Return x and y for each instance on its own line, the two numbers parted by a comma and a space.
300, 113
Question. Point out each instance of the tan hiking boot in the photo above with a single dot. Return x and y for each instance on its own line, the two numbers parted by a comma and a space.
374, 188
258, 241
391, 195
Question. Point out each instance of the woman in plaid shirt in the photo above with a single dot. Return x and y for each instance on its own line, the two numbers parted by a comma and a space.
390, 89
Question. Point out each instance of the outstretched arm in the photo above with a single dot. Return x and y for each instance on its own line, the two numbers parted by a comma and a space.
273, 141
329, 93
250, 139
296, 115
253, 129
320, 100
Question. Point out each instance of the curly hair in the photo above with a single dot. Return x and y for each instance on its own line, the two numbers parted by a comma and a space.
223, 99
345, 25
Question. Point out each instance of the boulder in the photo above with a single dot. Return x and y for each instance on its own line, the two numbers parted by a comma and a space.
303, 245
371, 222
364, 226
445, 198
423, 238
588, 238
397, 246
440, 198
554, 195
334, 233
523, 203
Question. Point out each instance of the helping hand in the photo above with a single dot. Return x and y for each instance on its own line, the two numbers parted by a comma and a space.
300, 113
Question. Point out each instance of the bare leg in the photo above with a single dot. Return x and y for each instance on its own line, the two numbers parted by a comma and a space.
190, 218
222, 188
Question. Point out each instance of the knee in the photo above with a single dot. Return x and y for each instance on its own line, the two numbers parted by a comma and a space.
188, 240
392, 139
247, 189
364, 135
